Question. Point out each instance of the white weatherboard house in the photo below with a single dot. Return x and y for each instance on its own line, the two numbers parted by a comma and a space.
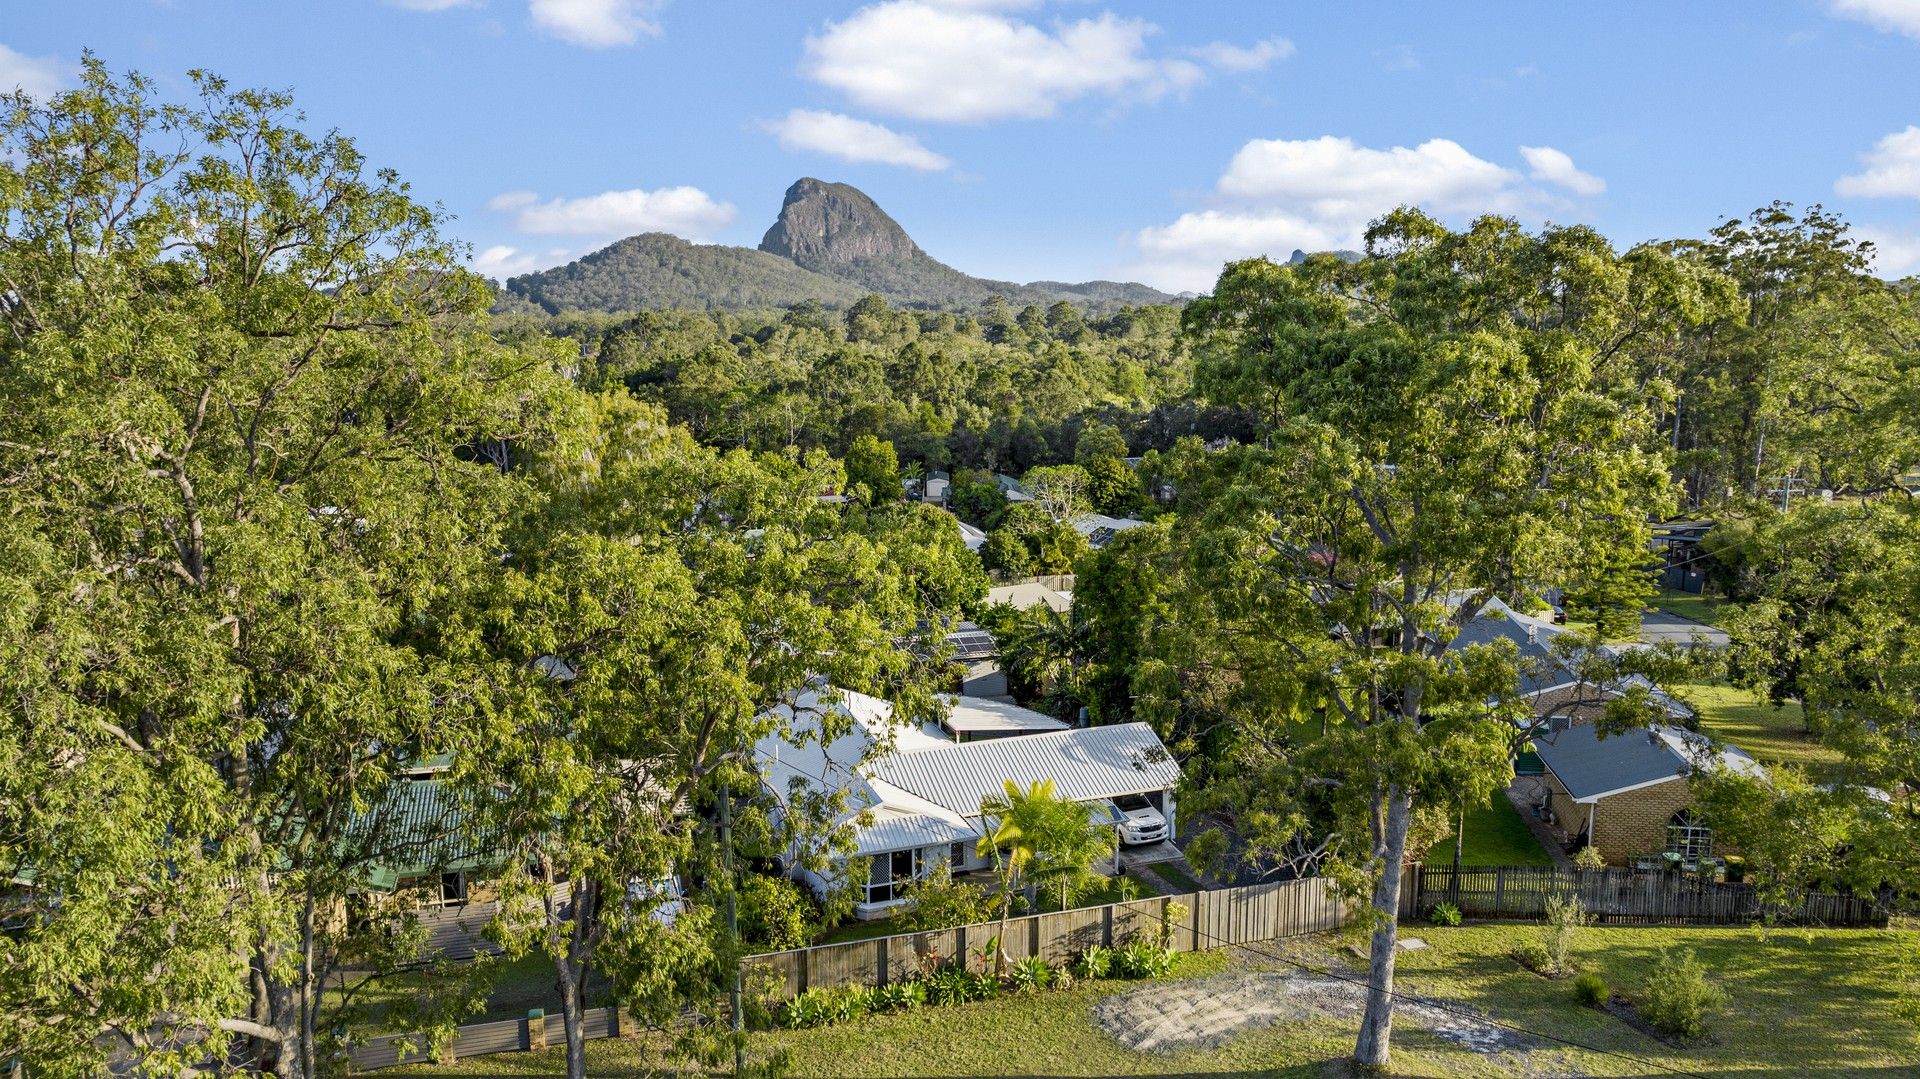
921, 791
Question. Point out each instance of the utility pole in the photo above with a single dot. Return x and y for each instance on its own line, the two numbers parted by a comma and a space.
1790, 485
733, 924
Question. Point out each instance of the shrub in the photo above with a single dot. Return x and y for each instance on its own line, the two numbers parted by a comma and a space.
1062, 979
1444, 914
1591, 989
940, 902
818, 1007
1532, 955
1029, 974
949, 985
1678, 998
776, 913
1589, 858
982, 985
1095, 962
899, 996
1141, 959
1564, 916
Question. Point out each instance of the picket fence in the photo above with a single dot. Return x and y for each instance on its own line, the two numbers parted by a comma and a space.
1621, 896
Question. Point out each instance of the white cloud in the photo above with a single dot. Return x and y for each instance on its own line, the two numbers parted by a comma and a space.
1335, 178
1254, 57
502, 261
967, 63
1892, 169
596, 24
1895, 254
852, 140
684, 211
1551, 166
1276, 195
1899, 16
40, 76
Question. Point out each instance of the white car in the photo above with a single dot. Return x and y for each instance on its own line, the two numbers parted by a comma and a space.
1142, 823
662, 899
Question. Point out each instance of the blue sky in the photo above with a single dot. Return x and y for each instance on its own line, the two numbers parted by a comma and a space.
1065, 139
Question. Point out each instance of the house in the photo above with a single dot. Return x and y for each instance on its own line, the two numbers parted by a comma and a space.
1030, 594
1012, 489
976, 650
937, 488
1100, 528
1682, 557
1627, 794
914, 793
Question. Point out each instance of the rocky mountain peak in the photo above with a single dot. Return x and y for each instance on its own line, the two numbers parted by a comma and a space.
823, 224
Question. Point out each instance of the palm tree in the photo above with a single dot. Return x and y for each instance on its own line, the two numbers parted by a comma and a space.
1009, 848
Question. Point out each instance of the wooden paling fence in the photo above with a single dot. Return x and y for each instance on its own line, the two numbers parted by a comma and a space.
1621, 896
1213, 919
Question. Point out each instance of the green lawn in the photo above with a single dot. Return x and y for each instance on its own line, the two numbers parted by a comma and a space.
1494, 835
528, 982
1746, 719
1703, 609
1812, 1003
1172, 874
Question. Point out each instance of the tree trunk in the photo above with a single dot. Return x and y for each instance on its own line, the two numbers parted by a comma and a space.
1374, 1048
570, 1012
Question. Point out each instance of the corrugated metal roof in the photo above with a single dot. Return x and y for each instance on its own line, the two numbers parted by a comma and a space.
981, 715
1093, 762
911, 830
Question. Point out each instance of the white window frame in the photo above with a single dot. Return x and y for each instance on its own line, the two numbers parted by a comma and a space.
1689, 839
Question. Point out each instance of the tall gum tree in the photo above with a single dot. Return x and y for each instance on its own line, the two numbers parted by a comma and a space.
253, 436
1453, 418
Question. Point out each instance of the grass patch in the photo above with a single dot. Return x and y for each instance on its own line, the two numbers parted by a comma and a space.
1747, 719
519, 985
1494, 835
1702, 609
1814, 1003
1172, 874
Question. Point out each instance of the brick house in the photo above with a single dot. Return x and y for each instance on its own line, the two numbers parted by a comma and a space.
1627, 794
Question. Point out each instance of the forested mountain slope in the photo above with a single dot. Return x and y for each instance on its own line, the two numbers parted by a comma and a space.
831, 244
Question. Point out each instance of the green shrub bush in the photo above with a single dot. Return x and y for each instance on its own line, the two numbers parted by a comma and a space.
899, 996
1445, 914
775, 912
818, 1007
1029, 974
1532, 955
1095, 962
1591, 989
949, 985
1141, 959
1678, 998
1589, 858
1565, 916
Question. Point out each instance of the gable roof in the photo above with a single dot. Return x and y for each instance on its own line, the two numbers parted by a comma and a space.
1100, 528
927, 791
1593, 766
1540, 669
1084, 763
1023, 596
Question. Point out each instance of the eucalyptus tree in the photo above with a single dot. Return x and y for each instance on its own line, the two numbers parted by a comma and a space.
1451, 419
253, 447
668, 606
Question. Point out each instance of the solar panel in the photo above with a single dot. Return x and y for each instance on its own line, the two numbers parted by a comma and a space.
972, 644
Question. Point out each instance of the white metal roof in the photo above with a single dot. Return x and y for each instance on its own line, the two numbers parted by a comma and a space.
1024, 596
984, 715
1084, 763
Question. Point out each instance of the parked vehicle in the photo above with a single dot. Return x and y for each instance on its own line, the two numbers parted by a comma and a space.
1143, 823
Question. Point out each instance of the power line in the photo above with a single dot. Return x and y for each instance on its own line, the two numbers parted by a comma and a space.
1427, 1002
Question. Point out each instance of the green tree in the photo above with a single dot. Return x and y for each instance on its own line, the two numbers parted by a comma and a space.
255, 452
1614, 592
1098, 440
872, 463
1447, 420
1006, 553
1113, 488
1010, 851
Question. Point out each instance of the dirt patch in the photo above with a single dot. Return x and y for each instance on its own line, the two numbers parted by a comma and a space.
1206, 1013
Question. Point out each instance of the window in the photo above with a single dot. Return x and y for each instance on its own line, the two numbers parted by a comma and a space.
957, 857
1688, 838
453, 888
889, 872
